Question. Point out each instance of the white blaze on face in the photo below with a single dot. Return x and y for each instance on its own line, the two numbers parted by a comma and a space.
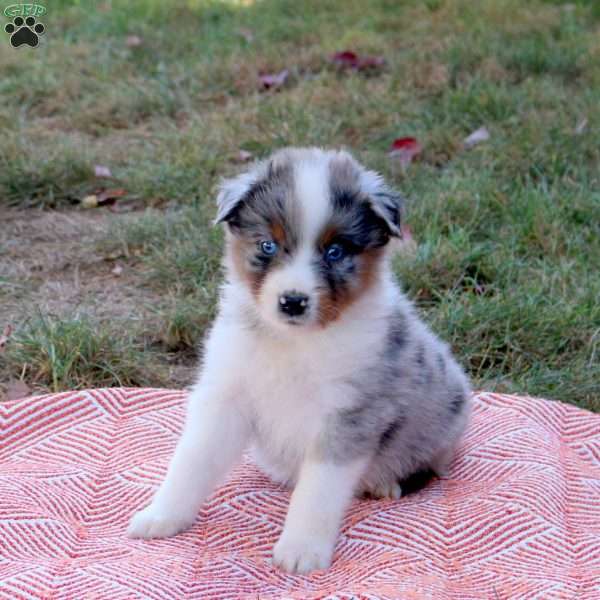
311, 182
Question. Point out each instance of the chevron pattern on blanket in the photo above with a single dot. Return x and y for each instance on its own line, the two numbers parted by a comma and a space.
518, 516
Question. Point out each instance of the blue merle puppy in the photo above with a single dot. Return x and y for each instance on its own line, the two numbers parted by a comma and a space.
316, 359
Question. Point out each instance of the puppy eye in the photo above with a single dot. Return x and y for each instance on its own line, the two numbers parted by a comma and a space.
268, 247
334, 253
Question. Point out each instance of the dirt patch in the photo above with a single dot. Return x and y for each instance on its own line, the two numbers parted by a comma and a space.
51, 260
50, 265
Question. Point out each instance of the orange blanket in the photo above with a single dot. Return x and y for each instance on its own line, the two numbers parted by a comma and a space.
518, 516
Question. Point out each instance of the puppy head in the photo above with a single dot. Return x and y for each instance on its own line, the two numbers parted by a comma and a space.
307, 230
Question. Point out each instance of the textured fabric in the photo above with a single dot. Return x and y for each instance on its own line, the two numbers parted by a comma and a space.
517, 517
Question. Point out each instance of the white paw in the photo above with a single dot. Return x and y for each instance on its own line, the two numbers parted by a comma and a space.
302, 555
152, 523
386, 490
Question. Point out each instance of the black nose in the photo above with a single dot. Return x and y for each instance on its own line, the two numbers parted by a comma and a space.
293, 304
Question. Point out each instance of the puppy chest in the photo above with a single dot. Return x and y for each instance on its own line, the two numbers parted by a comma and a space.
286, 409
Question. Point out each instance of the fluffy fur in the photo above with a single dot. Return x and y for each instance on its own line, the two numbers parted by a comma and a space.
316, 359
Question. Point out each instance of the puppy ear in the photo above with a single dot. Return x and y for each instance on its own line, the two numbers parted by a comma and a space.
231, 194
385, 202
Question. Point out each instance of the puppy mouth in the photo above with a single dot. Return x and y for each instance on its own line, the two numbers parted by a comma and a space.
296, 321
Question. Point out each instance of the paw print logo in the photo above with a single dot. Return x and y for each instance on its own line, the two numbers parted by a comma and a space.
24, 31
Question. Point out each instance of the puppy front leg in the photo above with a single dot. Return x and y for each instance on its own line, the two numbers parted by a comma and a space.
319, 501
214, 437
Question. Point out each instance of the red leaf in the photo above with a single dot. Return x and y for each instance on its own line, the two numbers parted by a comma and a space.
350, 60
405, 149
346, 59
273, 80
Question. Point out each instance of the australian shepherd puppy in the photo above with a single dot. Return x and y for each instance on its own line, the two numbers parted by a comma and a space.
316, 358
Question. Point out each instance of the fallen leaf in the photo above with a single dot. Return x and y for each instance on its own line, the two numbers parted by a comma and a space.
17, 389
346, 59
479, 289
243, 156
351, 60
478, 136
4, 337
117, 270
105, 197
127, 205
405, 149
370, 62
90, 201
273, 80
408, 243
581, 126
102, 171
246, 34
133, 41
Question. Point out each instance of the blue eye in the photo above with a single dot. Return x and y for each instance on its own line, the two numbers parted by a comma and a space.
334, 253
269, 248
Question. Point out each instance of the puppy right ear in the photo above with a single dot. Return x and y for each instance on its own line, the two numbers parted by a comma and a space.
235, 191
231, 195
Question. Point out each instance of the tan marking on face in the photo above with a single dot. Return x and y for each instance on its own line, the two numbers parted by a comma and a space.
240, 250
327, 237
367, 270
278, 233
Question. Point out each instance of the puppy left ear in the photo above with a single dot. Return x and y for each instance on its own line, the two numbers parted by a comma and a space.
385, 202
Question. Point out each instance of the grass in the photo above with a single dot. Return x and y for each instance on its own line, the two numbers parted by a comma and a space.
73, 354
507, 232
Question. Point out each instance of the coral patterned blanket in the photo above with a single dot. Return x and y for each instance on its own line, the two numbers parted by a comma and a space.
517, 517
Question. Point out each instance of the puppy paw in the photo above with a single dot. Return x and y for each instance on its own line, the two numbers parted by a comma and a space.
301, 555
391, 490
152, 523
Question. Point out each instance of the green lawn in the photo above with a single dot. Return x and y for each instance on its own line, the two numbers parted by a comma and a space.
506, 266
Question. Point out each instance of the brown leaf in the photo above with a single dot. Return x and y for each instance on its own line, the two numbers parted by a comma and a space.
110, 196
581, 126
133, 41
127, 205
17, 389
243, 156
272, 81
102, 171
370, 63
5, 337
246, 34
478, 136
408, 244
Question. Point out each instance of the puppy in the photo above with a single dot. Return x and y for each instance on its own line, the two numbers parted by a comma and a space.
316, 359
